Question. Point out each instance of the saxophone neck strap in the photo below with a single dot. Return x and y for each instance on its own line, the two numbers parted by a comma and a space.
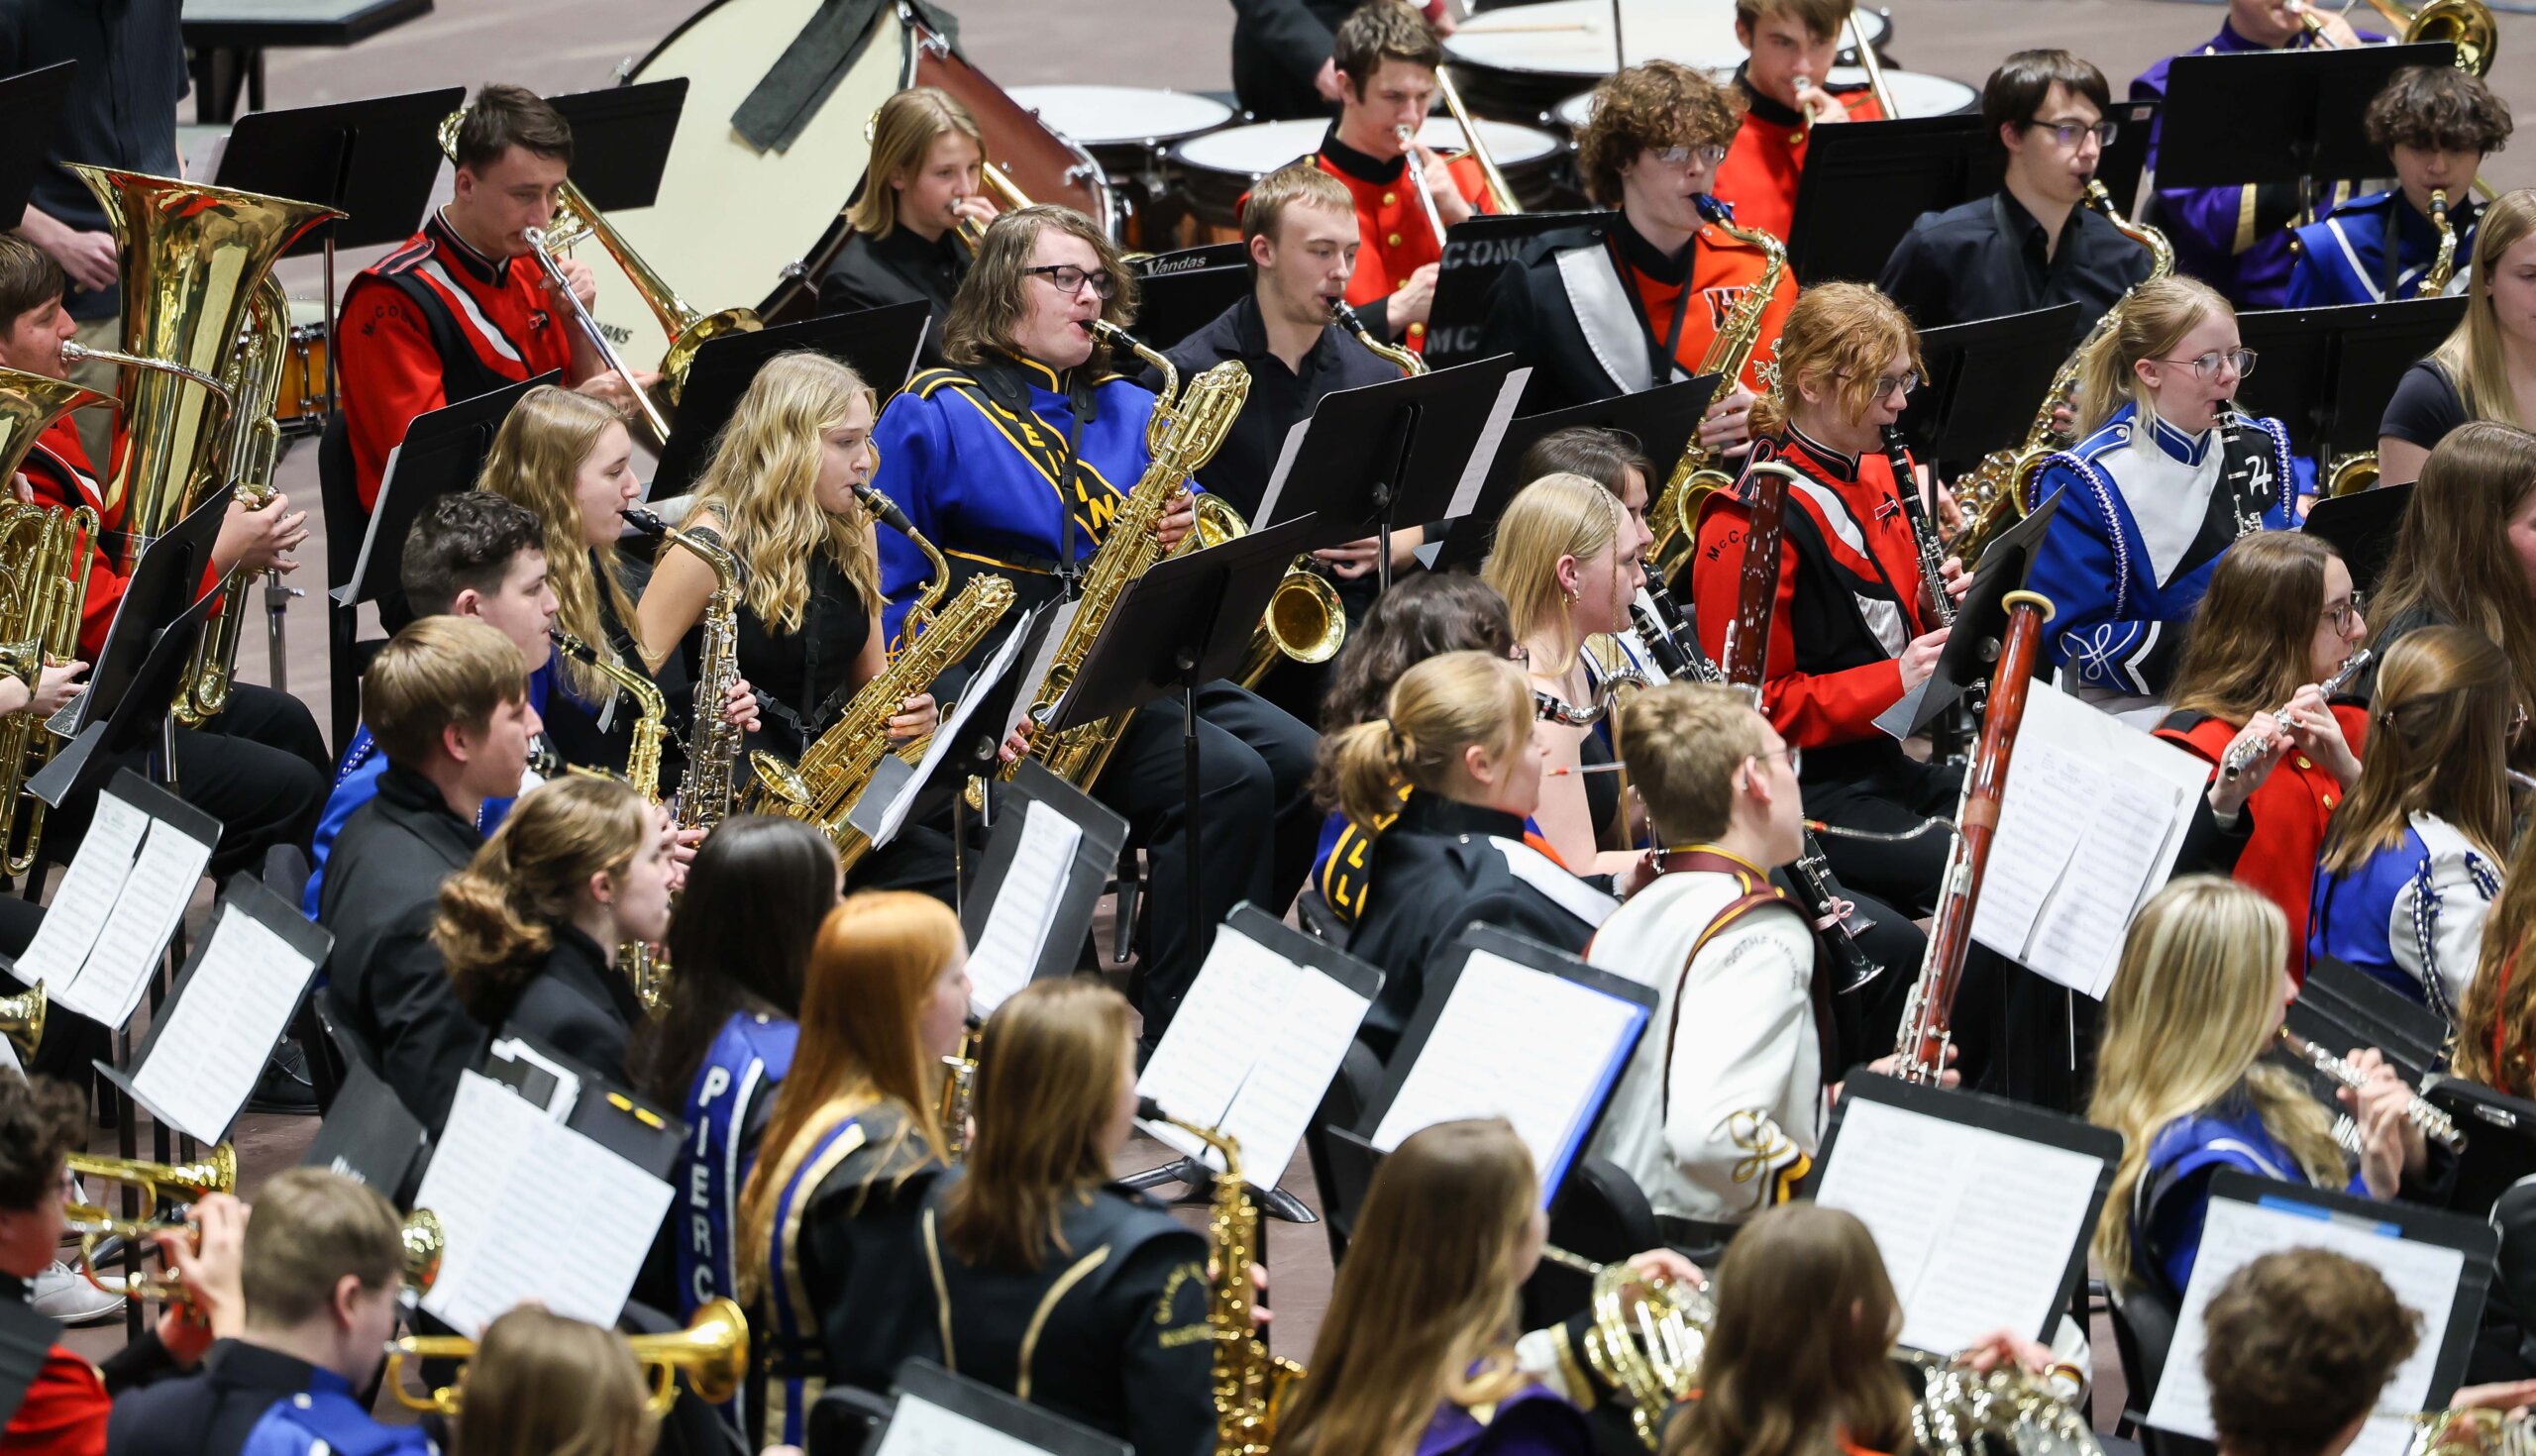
1078, 405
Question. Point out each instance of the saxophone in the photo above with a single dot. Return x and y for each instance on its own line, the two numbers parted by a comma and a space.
1993, 495
1675, 514
1187, 428
959, 1094
705, 794
1251, 1385
2444, 266
641, 963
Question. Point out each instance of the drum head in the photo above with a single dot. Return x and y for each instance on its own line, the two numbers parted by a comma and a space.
1916, 93
1257, 150
1130, 116
1573, 38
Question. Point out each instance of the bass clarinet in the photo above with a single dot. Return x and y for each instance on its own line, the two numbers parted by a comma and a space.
1928, 1020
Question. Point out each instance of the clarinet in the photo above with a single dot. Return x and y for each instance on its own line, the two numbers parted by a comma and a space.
1923, 535
1668, 641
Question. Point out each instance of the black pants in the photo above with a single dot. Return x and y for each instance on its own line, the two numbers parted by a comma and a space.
260, 768
1888, 798
1254, 834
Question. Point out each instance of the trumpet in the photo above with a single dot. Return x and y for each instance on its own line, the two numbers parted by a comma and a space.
2421, 1113
162, 1186
712, 1352
2242, 756
1415, 180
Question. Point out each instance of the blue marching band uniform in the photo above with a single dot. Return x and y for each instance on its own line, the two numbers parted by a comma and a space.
2375, 247
2412, 916
2143, 518
727, 1109
2172, 1197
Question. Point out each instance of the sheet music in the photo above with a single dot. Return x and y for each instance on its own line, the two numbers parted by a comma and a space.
86, 894
1315, 1021
1293, 1025
1059, 620
346, 593
1016, 929
1976, 1228
108, 988
1484, 453
2080, 778
1277, 478
204, 1061
500, 1155
1513, 1042
952, 731
2424, 1276
921, 1428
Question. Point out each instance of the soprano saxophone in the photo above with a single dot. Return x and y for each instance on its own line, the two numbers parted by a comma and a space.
1675, 515
713, 755
640, 963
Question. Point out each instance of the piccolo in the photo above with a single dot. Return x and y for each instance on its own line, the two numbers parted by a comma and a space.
2242, 756
2435, 1124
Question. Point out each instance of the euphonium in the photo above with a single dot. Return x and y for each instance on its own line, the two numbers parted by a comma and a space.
1646, 1342
22, 1019
253, 379
713, 752
1675, 515
2434, 281
2473, 1433
192, 257
1251, 1385
639, 962
1187, 428
44, 588
2465, 23
1993, 495
712, 1352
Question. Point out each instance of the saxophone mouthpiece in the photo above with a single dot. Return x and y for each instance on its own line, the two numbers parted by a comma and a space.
645, 521
883, 509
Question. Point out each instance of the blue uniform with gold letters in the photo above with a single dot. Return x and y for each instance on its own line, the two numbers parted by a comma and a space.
977, 457
2376, 248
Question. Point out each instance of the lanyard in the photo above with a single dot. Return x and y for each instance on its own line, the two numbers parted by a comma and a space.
1661, 361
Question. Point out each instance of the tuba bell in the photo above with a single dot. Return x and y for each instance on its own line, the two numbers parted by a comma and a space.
712, 1352
22, 1019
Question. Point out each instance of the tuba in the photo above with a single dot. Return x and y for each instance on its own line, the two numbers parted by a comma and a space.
254, 379
712, 1352
1251, 1385
1675, 515
44, 588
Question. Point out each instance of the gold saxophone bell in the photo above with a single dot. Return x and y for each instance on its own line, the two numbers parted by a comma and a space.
22, 1019
2350, 474
712, 1352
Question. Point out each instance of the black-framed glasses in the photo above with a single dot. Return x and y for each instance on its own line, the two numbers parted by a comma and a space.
1070, 279
2071, 134
2205, 367
2342, 614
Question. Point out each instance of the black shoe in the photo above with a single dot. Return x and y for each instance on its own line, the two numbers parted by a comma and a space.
285, 1085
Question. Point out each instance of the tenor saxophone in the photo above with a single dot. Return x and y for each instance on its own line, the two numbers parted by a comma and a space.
714, 758
640, 963
1251, 1385
1675, 515
1187, 428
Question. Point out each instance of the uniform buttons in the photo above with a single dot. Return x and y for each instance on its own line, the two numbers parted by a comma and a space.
1394, 239
1391, 199
2329, 801
1417, 331
2303, 764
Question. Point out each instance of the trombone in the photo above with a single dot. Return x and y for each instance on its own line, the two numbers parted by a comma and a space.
1500, 195
712, 1352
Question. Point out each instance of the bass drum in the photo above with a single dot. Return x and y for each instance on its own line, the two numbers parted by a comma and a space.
1915, 94
1213, 171
1518, 61
769, 206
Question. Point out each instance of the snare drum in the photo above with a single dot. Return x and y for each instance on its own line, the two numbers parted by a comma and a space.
1518, 61
300, 403
1127, 128
1212, 171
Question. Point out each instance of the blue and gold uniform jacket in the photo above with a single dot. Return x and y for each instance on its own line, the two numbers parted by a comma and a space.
2375, 247
976, 459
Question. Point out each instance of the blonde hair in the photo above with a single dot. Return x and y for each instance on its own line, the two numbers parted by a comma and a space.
1296, 185
903, 129
2438, 741
1429, 1290
313, 1226
1682, 743
1555, 516
2189, 1015
1440, 707
2155, 318
536, 454
2471, 355
1050, 1077
497, 916
1838, 336
762, 486
544, 1385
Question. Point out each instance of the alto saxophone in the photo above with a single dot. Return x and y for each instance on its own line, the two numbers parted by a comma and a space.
2434, 281
640, 963
1993, 495
713, 755
1187, 428
1675, 514
1251, 1385
959, 1094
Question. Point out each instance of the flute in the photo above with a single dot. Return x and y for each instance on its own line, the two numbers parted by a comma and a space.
2242, 756
2435, 1124
1414, 177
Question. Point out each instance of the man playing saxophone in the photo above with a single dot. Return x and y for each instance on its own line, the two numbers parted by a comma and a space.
1636, 301
1018, 461
463, 308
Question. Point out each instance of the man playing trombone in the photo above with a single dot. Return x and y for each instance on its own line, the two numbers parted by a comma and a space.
464, 308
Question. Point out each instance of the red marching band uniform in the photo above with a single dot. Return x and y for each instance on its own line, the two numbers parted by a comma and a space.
1393, 235
1767, 157
58, 471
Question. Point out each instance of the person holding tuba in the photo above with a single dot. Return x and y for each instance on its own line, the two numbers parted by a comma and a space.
1016, 461
462, 309
1640, 301
2034, 242
826, 1221
2437, 122
920, 194
2486, 370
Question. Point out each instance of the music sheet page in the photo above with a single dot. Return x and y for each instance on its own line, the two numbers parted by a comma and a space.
1212, 1042
950, 733
923, 1429
1976, 1228
2424, 1276
204, 1062
108, 988
1016, 929
1314, 1021
86, 894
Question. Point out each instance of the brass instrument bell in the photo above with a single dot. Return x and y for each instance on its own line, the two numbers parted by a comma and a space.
712, 1352
22, 1019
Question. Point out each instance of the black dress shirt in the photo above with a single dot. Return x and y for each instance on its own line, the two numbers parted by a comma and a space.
1279, 396
1987, 259
902, 267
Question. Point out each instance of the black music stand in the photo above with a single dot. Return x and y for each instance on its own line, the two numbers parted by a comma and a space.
1475, 253
2279, 116
1981, 627
2125, 160
1172, 306
2362, 526
2328, 373
621, 141
29, 103
442, 454
140, 715
880, 344
1662, 420
1961, 413
1866, 184
1391, 453
1187, 620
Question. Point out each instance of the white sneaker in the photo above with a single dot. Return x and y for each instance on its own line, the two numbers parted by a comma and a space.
64, 1294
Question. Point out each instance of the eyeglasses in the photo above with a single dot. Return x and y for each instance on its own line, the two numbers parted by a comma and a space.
1070, 279
1892, 383
1710, 155
1795, 756
2207, 366
2343, 614
2071, 134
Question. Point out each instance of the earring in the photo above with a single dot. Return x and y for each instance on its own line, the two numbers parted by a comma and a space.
1571, 595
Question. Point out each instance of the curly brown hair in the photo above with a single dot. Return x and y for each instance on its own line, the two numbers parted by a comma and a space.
1650, 107
2438, 108
41, 1121
1839, 337
2300, 1344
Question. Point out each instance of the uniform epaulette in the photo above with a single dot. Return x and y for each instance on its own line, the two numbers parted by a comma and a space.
927, 382
405, 260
